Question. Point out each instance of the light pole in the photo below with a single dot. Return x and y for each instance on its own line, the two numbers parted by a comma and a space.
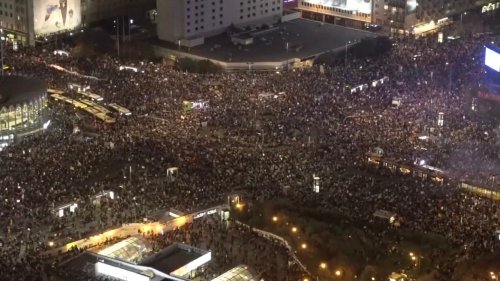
345, 60
461, 17
449, 78
117, 38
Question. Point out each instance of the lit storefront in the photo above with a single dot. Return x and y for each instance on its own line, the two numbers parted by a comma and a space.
349, 13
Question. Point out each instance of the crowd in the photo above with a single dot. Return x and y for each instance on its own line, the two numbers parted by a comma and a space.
255, 143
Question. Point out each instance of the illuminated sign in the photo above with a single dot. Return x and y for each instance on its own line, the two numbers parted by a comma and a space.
492, 59
360, 6
490, 7
202, 214
117, 272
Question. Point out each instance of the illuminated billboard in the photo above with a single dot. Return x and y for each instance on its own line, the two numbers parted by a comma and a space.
359, 6
492, 59
53, 16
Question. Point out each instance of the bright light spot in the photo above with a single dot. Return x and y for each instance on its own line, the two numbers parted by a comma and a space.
322, 265
338, 273
411, 254
275, 218
294, 229
303, 246
51, 244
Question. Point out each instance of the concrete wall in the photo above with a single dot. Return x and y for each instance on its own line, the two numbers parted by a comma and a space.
291, 16
170, 20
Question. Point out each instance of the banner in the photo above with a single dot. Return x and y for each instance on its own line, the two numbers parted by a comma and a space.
360, 6
53, 16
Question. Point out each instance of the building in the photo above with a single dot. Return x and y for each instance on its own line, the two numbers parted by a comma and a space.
97, 10
26, 21
396, 16
421, 16
189, 22
23, 108
23, 21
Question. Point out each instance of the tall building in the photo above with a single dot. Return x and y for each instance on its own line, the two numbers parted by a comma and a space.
397, 16
188, 22
25, 21
22, 21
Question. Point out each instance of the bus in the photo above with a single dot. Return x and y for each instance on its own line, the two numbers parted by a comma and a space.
90, 95
77, 87
120, 109
480, 190
54, 91
96, 106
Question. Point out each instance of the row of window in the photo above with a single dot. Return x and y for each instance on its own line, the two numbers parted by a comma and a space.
202, 27
255, 7
277, 2
188, 2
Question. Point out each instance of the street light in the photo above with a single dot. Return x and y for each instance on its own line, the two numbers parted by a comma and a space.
303, 246
294, 229
275, 218
345, 60
322, 265
461, 17
338, 273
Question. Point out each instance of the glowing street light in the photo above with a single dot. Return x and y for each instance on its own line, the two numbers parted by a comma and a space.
51, 244
239, 206
294, 229
275, 218
338, 273
303, 246
411, 254
322, 265
373, 278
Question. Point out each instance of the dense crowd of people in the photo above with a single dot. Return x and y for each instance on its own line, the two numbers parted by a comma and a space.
259, 133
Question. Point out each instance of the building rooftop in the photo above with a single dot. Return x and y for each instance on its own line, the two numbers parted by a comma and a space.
18, 89
173, 257
239, 273
132, 249
304, 39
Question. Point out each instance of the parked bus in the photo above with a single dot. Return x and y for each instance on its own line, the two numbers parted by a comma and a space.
120, 109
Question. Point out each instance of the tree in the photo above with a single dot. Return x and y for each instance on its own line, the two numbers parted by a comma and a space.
197, 66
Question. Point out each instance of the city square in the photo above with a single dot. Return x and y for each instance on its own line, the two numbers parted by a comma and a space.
378, 160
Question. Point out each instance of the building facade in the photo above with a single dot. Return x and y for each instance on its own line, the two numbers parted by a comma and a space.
396, 16
188, 22
24, 22
16, 20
